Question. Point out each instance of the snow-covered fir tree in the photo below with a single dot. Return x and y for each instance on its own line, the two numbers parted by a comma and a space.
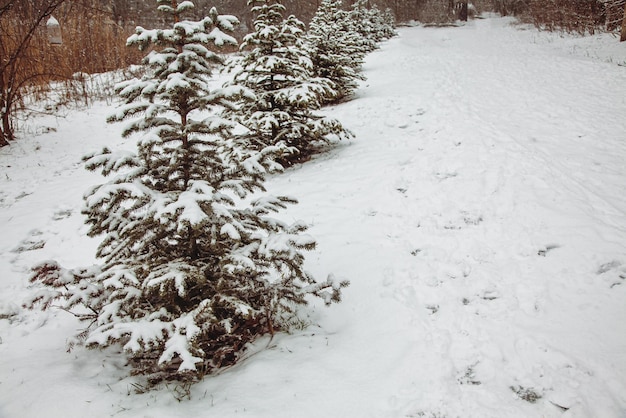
389, 21
373, 25
383, 23
276, 66
361, 23
189, 275
335, 49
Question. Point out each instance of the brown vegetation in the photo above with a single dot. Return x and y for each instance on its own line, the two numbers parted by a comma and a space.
29, 63
572, 16
19, 24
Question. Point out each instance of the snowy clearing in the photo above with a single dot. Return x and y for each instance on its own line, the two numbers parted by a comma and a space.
480, 215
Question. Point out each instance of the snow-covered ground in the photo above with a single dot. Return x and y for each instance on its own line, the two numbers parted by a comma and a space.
480, 215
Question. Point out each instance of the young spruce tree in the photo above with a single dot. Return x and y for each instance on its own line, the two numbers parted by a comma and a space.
188, 278
361, 23
383, 23
278, 69
335, 49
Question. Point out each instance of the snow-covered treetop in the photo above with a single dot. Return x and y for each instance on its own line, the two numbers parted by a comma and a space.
211, 29
171, 7
271, 30
272, 10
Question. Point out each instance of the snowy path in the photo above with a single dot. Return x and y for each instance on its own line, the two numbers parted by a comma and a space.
486, 194
481, 217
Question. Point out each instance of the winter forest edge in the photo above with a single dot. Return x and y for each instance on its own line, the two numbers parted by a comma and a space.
201, 269
189, 277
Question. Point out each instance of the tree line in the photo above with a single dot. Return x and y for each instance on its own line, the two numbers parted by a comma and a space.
570, 15
28, 63
193, 265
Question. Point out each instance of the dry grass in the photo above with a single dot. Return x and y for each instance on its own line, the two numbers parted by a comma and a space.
44, 76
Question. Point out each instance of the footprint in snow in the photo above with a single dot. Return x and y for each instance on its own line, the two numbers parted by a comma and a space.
33, 242
445, 175
463, 220
543, 251
403, 122
613, 272
61, 214
432, 309
468, 376
8, 310
22, 196
611, 265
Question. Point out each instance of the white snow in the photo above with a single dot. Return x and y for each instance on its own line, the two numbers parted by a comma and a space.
480, 215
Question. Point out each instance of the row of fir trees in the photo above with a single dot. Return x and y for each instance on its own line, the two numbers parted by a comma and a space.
194, 266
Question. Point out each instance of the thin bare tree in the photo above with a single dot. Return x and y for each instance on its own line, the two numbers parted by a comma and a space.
623, 36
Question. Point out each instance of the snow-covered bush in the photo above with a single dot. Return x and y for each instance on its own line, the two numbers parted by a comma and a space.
278, 69
335, 49
190, 274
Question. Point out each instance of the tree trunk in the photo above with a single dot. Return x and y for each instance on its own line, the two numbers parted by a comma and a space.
4, 114
502, 8
3, 141
623, 37
6, 130
463, 11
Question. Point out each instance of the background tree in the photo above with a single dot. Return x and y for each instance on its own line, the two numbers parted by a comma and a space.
383, 24
363, 25
188, 276
278, 69
574, 16
335, 49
